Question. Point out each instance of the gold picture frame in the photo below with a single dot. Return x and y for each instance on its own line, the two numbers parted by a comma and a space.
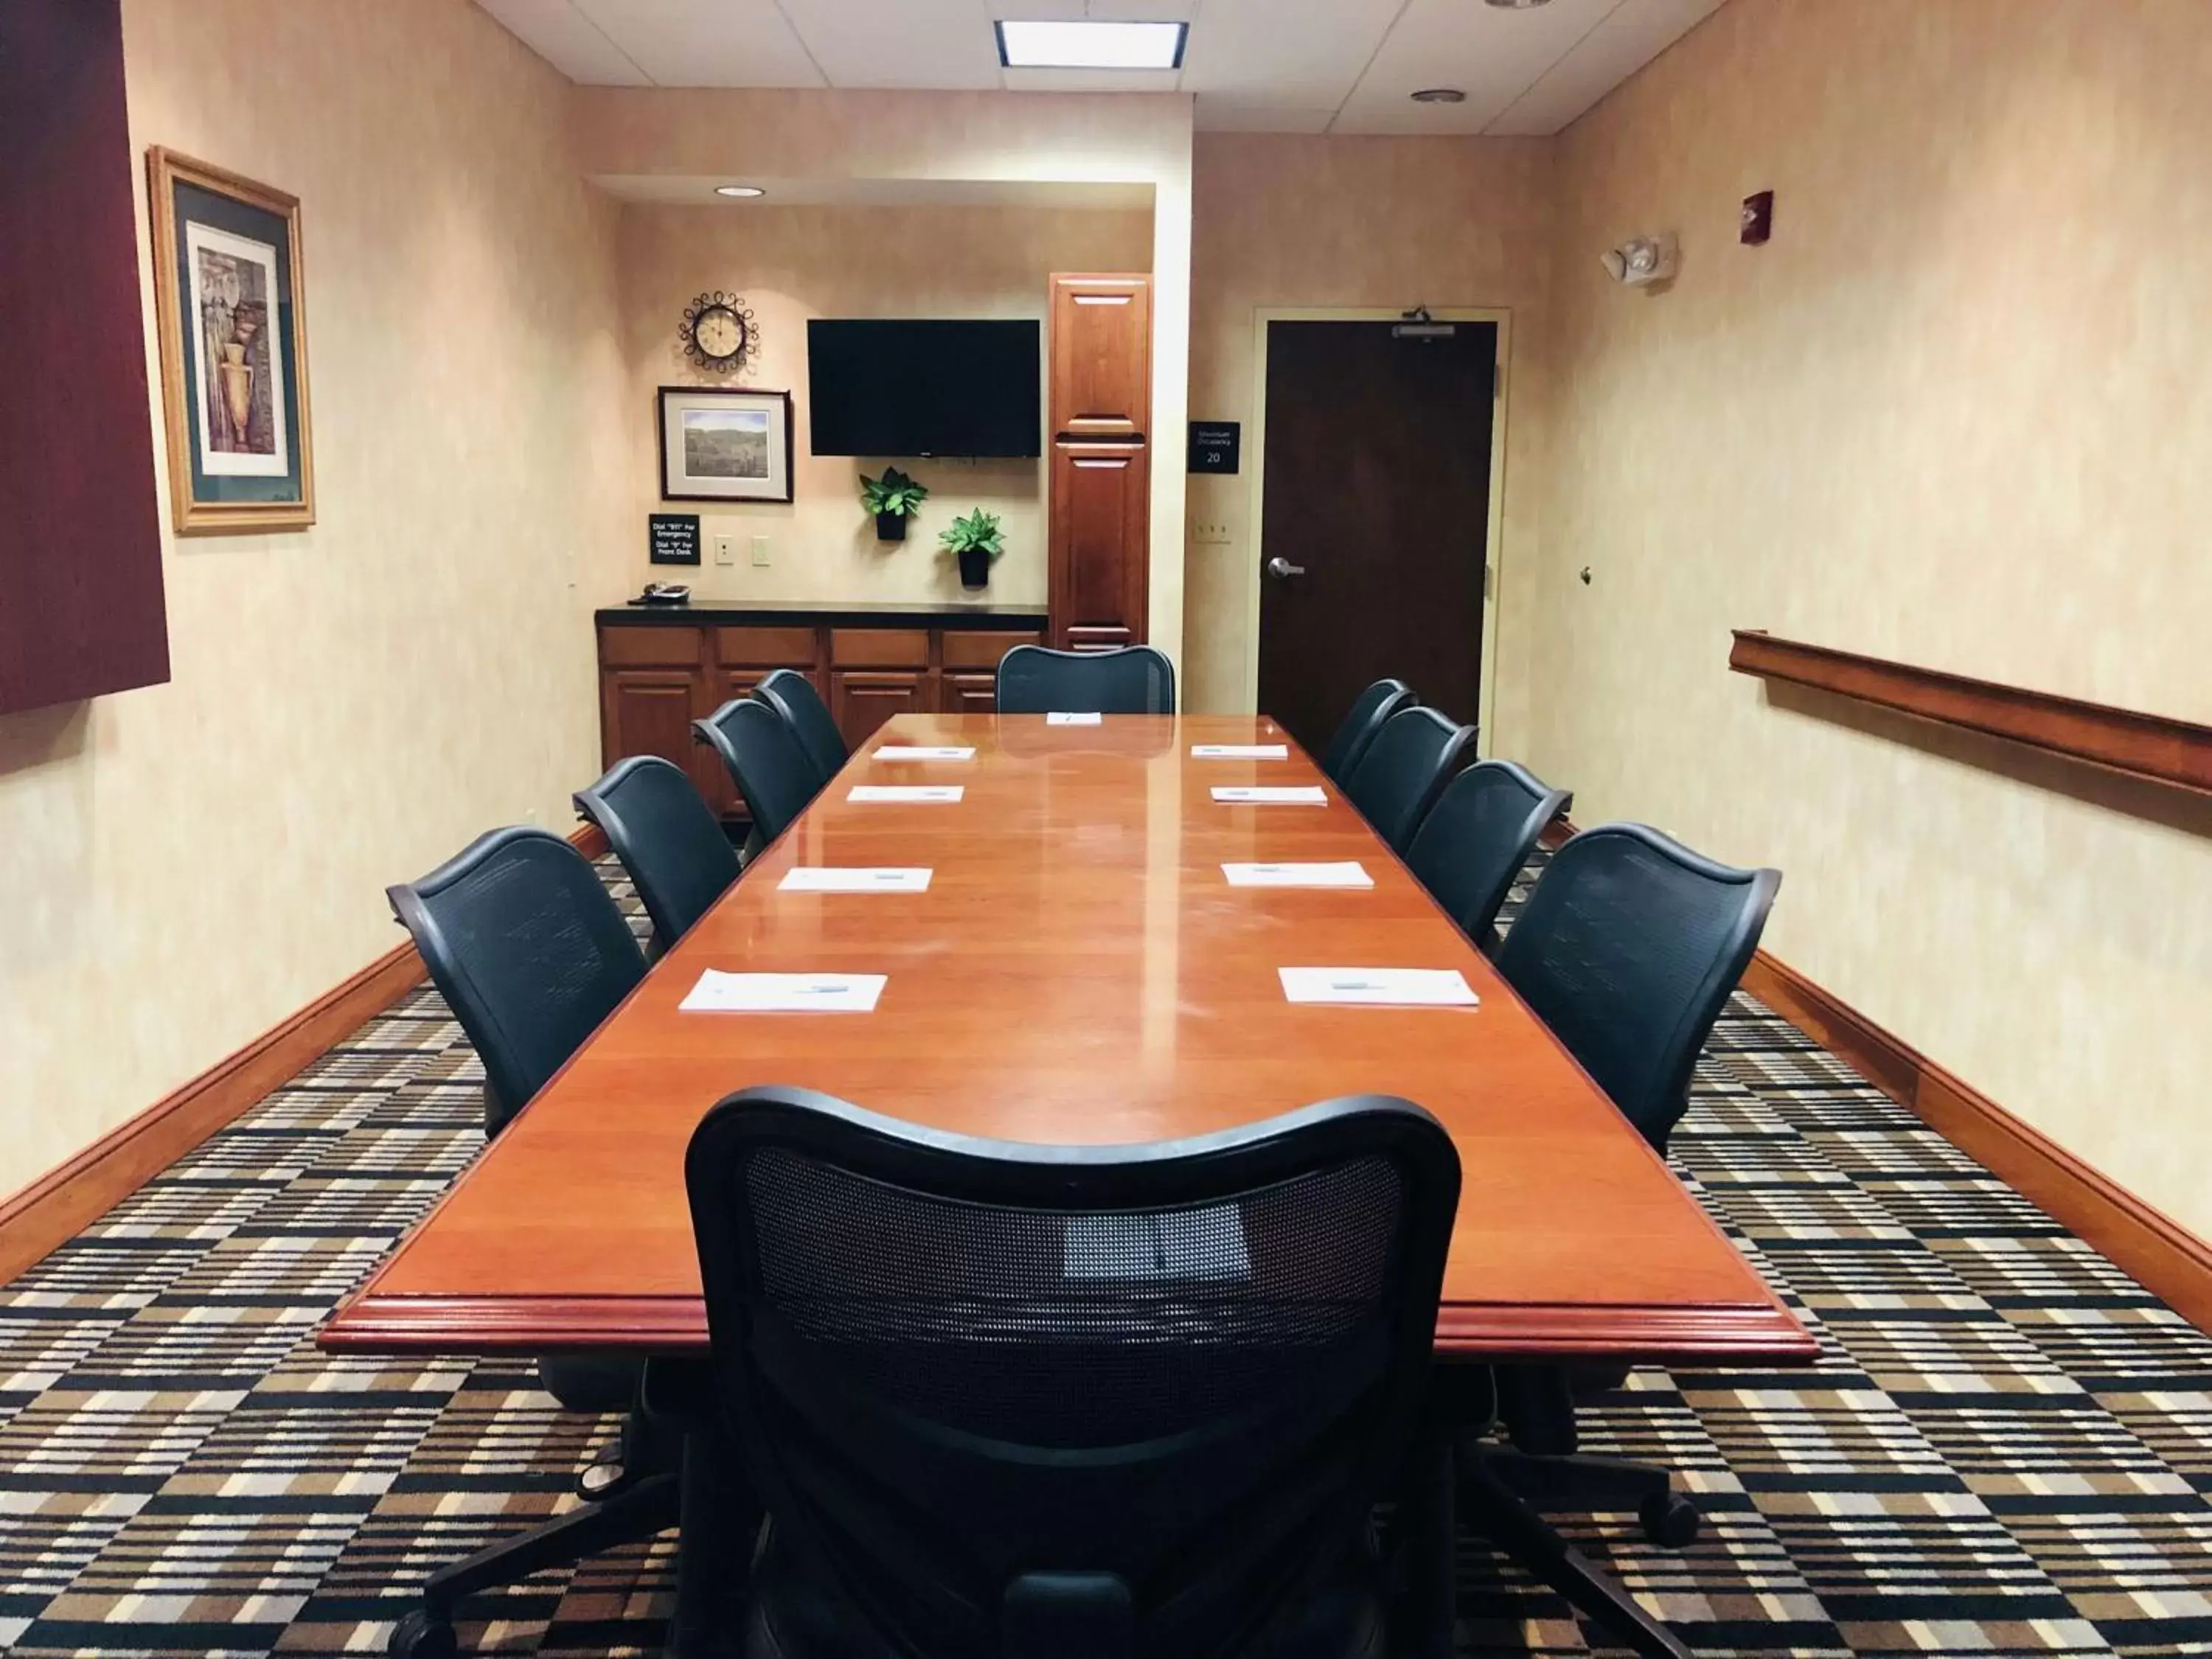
227, 267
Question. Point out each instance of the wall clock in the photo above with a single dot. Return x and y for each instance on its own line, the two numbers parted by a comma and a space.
718, 332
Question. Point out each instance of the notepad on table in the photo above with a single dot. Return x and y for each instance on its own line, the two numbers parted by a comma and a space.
1350, 874
1293, 794
1060, 718
718, 992
1240, 751
923, 751
825, 878
908, 792
1405, 987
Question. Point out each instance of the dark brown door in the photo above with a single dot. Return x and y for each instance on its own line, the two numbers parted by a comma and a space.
1375, 517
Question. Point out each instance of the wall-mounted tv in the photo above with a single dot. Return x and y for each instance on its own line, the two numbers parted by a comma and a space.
923, 388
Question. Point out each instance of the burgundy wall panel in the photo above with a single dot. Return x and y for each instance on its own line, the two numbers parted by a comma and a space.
81, 607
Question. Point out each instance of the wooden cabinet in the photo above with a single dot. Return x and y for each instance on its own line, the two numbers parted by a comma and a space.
658, 674
1100, 477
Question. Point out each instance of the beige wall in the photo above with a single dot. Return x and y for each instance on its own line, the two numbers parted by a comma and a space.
792, 262
183, 866
1955, 413
1284, 221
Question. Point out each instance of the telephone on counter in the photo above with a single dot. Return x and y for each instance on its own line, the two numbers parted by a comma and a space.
664, 593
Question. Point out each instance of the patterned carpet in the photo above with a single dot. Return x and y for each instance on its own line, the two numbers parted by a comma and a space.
2006, 1447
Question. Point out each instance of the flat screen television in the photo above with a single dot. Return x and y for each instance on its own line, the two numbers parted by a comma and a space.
923, 388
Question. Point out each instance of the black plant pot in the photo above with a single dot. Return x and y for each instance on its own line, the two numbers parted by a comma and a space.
975, 567
891, 526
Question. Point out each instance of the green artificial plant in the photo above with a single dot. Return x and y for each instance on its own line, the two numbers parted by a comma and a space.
893, 495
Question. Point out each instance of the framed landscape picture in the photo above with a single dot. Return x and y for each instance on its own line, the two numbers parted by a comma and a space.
718, 446
233, 330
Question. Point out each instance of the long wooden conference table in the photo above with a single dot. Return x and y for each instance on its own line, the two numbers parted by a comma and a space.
1078, 970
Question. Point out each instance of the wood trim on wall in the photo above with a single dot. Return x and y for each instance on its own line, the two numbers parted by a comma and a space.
2150, 746
64, 1201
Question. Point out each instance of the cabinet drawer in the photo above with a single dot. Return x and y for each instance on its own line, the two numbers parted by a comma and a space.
981, 650
879, 647
1099, 639
649, 645
765, 647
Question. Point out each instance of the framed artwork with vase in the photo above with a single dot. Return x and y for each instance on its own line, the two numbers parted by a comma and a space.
233, 329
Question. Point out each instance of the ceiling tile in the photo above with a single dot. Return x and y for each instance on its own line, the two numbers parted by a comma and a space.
944, 44
1294, 52
1631, 37
726, 43
1071, 80
566, 39
1491, 54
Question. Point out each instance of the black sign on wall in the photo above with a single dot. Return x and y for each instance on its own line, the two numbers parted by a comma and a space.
672, 537
1213, 446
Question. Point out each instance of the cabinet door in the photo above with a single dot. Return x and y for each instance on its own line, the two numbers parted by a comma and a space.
1101, 339
862, 699
1100, 503
647, 711
967, 694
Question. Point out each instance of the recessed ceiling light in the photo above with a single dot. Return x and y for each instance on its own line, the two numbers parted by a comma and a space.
1041, 45
739, 189
1440, 95
1519, 5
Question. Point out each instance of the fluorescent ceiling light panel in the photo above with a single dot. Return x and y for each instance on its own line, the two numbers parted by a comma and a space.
1095, 46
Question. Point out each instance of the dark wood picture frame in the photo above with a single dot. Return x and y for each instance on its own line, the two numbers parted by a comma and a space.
676, 488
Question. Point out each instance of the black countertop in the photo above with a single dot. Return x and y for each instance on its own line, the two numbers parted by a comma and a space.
769, 613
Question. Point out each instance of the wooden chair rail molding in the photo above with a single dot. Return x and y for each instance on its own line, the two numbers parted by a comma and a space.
2160, 1254
2150, 746
59, 1204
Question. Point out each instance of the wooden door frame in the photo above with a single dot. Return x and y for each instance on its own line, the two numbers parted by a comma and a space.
1493, 535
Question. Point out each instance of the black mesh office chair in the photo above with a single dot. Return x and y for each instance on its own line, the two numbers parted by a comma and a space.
532, 954
1476, 839
766, 762
1045, 1402
1404, 770
792, 695
1628, 948
667, 838
1369, 710
1134, 680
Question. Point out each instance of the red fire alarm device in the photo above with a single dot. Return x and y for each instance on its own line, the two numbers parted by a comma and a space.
1757, 221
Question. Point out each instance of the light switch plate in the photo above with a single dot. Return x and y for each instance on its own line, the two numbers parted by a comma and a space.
1209, 532
760, 549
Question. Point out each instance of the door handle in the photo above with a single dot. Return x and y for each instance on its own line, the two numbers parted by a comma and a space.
1280, 567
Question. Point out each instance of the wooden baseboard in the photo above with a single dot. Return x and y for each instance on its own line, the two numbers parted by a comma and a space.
2161, 1255
64, 1201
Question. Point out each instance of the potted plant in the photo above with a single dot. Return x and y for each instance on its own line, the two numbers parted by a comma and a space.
977, 541
894, 498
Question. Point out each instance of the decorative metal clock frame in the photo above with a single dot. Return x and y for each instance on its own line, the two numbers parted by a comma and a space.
708, 322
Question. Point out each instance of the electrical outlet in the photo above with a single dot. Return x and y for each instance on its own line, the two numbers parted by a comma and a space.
1209, 532
726, 549
760, 551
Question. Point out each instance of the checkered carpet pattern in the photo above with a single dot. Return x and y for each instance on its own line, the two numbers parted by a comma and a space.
2006, 1447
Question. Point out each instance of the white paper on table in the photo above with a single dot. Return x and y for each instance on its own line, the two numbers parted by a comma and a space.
1295, 794
718, 992
1072, 719
911, 751
826, 878
1350, 874
912, 791
1405, 987
1240, 751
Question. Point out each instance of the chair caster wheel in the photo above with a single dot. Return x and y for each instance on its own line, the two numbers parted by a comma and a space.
601, 1481
1670, 1519
422, 1635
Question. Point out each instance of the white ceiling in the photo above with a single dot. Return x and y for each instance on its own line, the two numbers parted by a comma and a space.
1344, 66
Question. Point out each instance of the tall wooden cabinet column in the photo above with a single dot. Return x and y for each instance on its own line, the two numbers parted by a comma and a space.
1101, 479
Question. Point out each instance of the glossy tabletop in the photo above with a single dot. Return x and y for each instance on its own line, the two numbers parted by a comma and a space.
1077, 971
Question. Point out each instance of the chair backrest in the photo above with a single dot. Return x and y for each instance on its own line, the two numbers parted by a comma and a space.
529, 952
767, 764
1033, 680
1168, 1381
1476, 839
1404, 770
1369, 710
666, 837
1628, 948
792, 695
